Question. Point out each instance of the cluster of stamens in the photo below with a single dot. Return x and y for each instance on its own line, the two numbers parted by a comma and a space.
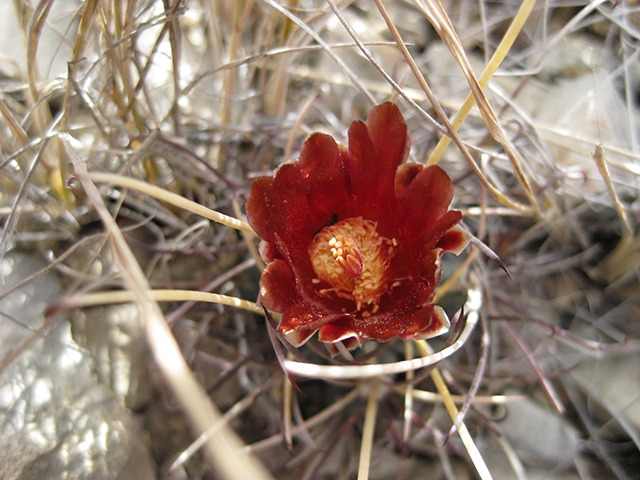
354, 259
347, 254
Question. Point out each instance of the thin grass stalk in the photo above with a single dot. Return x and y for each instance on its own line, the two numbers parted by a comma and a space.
36, 24
431, 397
512, 457
499, 196
13, 124
408, 396
496, 60
601, 162
126, 296
368, 429
544, 381
352, 76
39, 109
171, 198
287, 406
439, 19
465, 436
443, 455
175, 42
224, 450
317, 419
237, 408
274, 93
79, 42
10, 224
477, 377
230, 76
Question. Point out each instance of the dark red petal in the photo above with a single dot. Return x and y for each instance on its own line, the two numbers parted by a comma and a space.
425, 196
258, 213
337, 331
439, 227
429, 276
376, 149
404, 176
304, 194
319, 184
363, 164
388, 133
269, 252
299, 337
292, 325
301, 321
296, 317
278, 287
454, 240
425, 322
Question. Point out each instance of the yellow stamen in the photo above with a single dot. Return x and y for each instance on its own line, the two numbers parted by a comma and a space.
354, 259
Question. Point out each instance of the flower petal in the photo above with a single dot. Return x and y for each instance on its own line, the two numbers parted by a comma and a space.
388, 132
434, 231
332, 183
426, 322
304, 194
277, 287
425, 195
338, 331
301, 321
376, 149
438, 324
258, 212
454, 240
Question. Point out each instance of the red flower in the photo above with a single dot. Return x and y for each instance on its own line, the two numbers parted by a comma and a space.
353, 236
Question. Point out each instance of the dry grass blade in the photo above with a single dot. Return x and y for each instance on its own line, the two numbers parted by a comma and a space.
544, 381
472, 450
86, 20
352, 76
311, 422
229, 415
408, 396
224, 449
477, 377
512, 456
432, 397
473, 305
622, 260
125, 296
171, 198
503, 199
14, 125
498, 56
440, 21
601, 162
366, 445
18, 200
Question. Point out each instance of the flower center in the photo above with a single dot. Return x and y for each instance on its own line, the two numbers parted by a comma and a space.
354, 259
